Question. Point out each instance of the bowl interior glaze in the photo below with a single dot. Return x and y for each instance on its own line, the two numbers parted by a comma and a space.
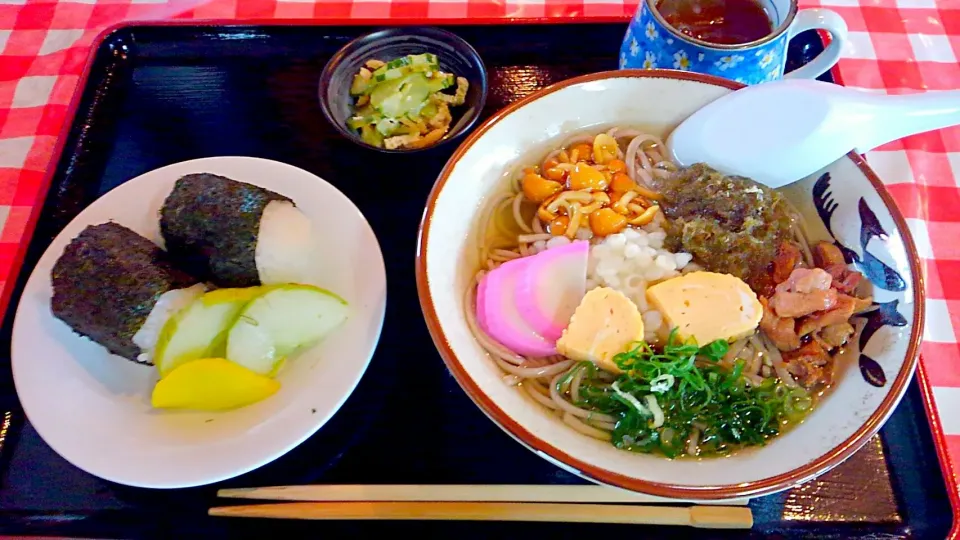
845, 202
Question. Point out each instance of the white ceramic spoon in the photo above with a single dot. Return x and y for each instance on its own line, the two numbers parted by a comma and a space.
780, 132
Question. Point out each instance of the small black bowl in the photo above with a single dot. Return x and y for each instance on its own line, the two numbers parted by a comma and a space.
455, 55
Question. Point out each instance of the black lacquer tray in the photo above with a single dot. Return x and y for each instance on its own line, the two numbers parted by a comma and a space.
159, 94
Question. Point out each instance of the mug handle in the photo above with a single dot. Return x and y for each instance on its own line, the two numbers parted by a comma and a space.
819, 19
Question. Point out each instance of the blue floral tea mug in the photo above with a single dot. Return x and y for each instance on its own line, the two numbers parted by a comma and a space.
651, 42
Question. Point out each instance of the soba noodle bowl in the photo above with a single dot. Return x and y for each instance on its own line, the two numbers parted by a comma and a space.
619, 191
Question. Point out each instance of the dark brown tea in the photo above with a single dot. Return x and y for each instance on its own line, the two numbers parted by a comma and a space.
728, 22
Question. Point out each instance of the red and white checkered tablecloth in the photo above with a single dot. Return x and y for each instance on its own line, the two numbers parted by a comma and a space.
895, 46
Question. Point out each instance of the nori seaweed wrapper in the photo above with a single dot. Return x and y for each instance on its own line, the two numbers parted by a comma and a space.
107, 281
210, 225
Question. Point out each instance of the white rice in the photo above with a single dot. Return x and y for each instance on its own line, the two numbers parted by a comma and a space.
167, 306
633, 260
286, 249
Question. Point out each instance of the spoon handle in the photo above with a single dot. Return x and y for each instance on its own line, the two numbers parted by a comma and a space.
902, 116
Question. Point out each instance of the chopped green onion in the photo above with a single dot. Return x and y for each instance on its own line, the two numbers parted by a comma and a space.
663, 395
629, 398
662, 383
655, 409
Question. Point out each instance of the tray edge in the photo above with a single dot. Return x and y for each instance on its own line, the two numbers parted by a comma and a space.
946, 467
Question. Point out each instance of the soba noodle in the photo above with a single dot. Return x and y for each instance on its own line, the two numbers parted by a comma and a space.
507, 233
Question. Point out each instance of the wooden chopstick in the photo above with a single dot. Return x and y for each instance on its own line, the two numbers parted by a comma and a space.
457, 493
714, 517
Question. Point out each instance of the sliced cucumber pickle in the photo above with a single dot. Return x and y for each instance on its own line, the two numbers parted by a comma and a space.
400, 96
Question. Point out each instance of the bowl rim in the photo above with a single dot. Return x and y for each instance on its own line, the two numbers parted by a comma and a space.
335, 61
599, 474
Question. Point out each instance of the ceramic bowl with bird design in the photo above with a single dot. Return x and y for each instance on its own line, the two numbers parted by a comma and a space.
845, 204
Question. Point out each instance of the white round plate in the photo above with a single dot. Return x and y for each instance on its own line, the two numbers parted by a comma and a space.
94, 409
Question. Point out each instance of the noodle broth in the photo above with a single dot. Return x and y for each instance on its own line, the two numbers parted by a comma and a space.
669, 397
832, 202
